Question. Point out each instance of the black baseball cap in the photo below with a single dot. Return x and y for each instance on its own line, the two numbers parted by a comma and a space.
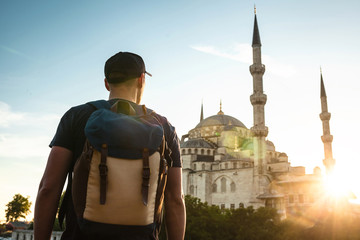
124, 66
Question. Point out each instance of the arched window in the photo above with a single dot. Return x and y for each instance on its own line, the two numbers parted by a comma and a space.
214, 188
223, 184
203, 166
208, 152
232, 187
196, 151
192, 189
202, 151
183, 151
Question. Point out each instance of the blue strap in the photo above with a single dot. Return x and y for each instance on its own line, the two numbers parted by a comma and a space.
99, 104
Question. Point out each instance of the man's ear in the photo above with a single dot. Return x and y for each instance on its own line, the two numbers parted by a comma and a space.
141, 81
106, 85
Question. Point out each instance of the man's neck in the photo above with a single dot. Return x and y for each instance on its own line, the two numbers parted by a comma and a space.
123, 95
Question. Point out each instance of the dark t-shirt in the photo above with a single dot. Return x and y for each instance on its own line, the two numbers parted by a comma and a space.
70, 134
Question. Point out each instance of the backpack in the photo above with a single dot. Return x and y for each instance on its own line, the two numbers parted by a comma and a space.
119, 179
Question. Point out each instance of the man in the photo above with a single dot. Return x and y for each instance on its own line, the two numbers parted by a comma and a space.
124, 79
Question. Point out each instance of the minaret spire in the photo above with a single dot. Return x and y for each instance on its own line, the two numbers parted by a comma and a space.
326, 138
202, 112
322, 91
258, 100
256, 35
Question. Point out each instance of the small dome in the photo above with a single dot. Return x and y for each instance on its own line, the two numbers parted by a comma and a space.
270, 146
224, 120
269, 143
196, 143
282, 155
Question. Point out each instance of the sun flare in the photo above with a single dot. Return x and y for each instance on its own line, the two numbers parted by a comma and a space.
337, 186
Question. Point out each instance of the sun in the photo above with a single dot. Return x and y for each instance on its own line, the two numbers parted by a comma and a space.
337, 185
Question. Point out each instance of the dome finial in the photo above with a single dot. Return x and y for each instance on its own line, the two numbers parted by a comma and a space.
220, 112
255, 9
202, 111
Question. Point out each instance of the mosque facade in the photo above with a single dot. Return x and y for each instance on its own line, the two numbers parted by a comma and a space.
230, 165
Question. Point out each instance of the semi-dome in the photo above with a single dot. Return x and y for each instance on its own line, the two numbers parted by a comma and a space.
224, 120
196, 143
283, 155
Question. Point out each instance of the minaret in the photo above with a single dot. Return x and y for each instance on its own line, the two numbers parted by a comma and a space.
258, 100
327, 138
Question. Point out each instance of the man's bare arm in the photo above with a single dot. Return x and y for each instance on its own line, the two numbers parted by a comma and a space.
50, 189
175, 214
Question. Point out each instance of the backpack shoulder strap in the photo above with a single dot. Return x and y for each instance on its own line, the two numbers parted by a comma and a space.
164, 149
99, 104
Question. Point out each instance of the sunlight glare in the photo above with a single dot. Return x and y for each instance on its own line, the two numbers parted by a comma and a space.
337, 186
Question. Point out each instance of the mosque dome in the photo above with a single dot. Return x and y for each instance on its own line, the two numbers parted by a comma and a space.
196, 143
270, 146
220, 119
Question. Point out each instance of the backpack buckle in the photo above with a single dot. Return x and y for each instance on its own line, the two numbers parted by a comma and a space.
103, 169
146, 173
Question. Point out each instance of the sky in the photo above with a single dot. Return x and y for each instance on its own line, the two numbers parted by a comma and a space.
52, 56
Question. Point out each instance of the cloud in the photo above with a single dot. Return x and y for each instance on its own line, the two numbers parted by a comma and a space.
20, 146
7, 117
242, 52
15, 52
25, 135
239, 52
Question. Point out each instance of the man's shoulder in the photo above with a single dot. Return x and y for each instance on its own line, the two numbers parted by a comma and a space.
78, 113
83, 108
163, 120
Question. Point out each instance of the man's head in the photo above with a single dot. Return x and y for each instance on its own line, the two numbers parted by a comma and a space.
124, 66
125, 76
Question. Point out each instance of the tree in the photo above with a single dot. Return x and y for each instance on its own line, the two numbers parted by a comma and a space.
56, 226
206, 222
19, 207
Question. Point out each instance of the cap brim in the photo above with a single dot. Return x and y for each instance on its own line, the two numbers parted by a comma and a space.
148, 73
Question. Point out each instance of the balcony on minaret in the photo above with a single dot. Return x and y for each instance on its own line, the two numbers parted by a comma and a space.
329, 164
258, 98
259, 131
325, 116
327, 138
257, 68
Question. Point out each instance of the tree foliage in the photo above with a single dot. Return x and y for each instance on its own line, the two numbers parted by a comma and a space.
18, 208
211, 223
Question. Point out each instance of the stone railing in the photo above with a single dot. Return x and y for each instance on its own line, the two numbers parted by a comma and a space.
29, 235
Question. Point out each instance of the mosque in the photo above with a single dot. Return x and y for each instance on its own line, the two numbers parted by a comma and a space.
231, 166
